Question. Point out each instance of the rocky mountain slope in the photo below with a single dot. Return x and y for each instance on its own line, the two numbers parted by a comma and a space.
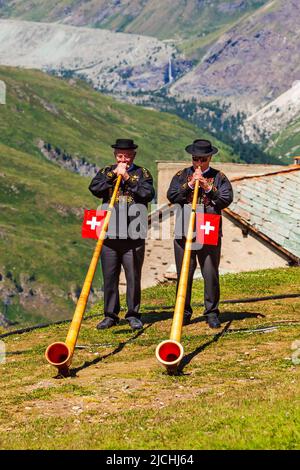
277, 124
286, 141
273, 117
113, 61
253, 63
177, 19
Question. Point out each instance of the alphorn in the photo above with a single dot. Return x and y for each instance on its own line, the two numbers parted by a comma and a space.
170, 352
60, 354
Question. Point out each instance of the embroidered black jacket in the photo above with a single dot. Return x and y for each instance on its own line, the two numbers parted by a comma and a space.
138, 189
218, 198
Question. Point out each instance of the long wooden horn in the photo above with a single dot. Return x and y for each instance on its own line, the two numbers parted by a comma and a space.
60, 354
170, 352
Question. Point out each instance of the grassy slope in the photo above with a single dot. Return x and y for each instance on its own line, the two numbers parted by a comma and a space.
43, 239
85, 122
42, 236
238, 389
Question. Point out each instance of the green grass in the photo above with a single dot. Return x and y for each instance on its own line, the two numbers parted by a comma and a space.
86, 123
238, 388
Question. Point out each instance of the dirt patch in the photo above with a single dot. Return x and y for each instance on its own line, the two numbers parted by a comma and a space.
43, 384
112, 399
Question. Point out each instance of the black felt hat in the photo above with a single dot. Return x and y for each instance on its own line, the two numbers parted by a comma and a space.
124, 144
201, 148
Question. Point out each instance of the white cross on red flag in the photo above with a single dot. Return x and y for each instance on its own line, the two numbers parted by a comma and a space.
92, 223
207, 228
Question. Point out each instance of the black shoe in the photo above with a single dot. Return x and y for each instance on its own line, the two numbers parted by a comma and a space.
135, 323
186, 318
213, 320
107, 322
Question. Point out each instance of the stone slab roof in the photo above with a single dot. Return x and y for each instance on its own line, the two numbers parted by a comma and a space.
271, 204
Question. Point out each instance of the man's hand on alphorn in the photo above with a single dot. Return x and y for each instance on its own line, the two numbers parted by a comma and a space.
197, 175
121, 169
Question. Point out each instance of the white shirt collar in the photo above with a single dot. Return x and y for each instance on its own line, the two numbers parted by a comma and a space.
206, 171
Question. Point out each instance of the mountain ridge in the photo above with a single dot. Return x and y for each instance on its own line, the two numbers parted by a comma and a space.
252, 64
177, 19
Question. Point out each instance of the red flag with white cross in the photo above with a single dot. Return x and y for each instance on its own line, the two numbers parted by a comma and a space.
207, 228
92, 223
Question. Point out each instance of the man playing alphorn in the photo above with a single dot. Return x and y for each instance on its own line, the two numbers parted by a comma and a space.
124, 246
215, 193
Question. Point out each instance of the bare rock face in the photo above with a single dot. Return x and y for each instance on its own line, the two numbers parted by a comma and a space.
98, 12
232, 7
165, 19
275, 116
34, 296
253, 63
114, 61
76, 164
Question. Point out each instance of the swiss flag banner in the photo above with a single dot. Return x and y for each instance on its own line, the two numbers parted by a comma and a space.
207, 228
92, 223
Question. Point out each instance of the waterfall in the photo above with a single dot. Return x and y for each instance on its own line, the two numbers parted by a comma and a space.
170, 76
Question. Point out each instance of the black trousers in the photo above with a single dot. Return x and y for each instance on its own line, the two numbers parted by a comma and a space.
129, 254
209, 260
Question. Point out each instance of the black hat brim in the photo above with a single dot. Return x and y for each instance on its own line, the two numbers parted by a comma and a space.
191, 149
133, 147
